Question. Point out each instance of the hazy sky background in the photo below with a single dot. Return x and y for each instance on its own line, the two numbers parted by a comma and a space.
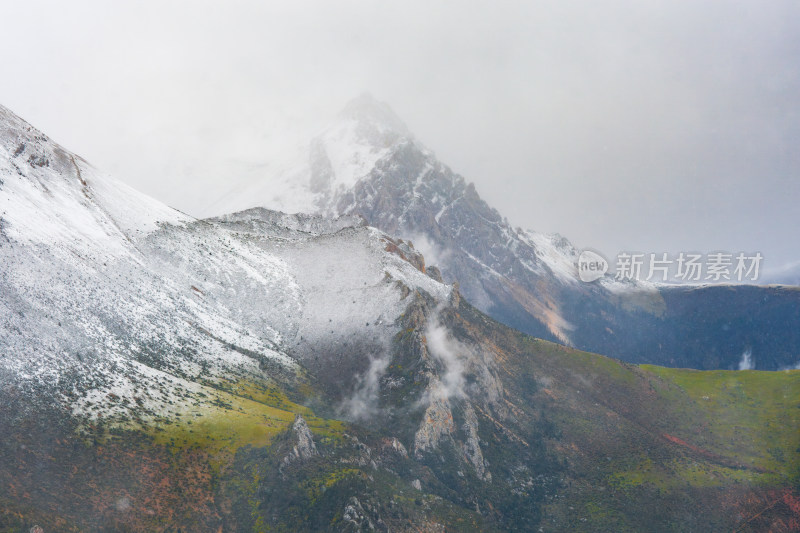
654, 126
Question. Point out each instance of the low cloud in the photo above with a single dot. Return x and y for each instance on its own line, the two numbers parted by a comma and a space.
363, 403
434, 254
747, 362
452, 355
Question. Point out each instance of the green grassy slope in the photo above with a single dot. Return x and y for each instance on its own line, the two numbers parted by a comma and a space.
576, 442
651, 448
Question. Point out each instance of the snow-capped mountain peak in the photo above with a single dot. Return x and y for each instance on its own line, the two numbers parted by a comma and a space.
376, 120
314, 177
365, 132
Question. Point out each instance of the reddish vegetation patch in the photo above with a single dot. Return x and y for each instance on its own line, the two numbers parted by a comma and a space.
776, 511
792, 502
550, 393
718, 459
681, 442
128, 484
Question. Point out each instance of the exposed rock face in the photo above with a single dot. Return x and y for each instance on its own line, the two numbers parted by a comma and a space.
407, 252
455, 376
471, 446
357, 517
394, 444
304, 447
435, 273
438, 426
437, 423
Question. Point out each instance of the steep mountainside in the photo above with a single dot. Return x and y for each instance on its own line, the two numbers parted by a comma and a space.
98, 280
270, 372
368, 163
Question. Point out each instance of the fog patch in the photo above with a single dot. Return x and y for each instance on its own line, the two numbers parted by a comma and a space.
434, 254
452, 356
363, 404
747, 362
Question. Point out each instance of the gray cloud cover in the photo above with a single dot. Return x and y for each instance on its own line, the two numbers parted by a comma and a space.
650, 126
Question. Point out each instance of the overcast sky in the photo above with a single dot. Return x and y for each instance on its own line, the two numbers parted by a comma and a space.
652, 126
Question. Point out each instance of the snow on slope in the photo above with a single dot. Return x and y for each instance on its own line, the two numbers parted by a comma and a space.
365, 133
103, 290
368, 163
51, 197
82, 297
346, 279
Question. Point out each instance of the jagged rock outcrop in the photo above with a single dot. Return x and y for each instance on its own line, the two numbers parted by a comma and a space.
304, 447
471, 447
394, 445
437, 423
358, 518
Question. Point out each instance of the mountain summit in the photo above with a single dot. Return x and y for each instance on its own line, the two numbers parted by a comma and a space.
366, 131
378, 122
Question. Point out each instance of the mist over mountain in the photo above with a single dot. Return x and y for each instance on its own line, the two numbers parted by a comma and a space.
368, 163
